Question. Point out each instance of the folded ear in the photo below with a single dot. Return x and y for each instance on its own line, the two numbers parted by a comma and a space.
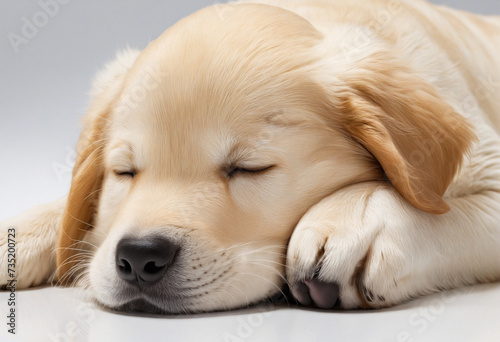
88, 171
416, 136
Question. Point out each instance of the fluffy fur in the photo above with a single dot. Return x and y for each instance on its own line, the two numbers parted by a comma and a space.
378, 123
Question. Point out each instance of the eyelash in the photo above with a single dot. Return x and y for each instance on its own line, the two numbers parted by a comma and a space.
130, 174
231, 172
235, 170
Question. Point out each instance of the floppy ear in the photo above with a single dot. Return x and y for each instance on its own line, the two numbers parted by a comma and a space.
78, 217
416, 136
88, 171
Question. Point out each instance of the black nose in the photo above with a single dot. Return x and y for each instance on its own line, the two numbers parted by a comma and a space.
144, 260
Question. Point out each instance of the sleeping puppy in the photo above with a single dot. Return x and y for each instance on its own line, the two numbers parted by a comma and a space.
349, 149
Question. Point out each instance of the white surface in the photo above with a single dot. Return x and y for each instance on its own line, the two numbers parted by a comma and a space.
43, 91
57, 314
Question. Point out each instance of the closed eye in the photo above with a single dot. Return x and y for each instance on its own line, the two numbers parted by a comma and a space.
125, 173
237, 170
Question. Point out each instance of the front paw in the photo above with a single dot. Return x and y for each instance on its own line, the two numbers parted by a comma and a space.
27, 246
343, 253
25, 260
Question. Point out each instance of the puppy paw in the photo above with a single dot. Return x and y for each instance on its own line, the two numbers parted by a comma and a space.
23, 258
345, 253
27, 246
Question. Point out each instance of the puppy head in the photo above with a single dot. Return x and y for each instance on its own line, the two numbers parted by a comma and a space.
201, 155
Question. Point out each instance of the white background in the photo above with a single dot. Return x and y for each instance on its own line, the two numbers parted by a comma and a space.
43, 94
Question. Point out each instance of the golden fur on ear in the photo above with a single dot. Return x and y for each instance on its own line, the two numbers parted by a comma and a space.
416, 136
82, 200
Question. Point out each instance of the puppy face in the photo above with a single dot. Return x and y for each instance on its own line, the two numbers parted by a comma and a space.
215, 145
227, 191
200, 158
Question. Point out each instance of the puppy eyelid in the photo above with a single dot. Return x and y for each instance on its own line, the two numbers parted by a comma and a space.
125, 173
233, 170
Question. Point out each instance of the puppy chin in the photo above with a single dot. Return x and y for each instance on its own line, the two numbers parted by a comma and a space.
139, 305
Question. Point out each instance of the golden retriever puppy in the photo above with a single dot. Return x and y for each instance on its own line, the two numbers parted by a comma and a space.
350, 149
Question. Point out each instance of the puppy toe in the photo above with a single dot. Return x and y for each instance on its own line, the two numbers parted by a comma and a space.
314, 292
323, 294
301, 292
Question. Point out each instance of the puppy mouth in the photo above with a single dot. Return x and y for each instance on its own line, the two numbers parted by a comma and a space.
159, 306
139, 305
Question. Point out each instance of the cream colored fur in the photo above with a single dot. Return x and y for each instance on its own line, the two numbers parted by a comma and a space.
336, 96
